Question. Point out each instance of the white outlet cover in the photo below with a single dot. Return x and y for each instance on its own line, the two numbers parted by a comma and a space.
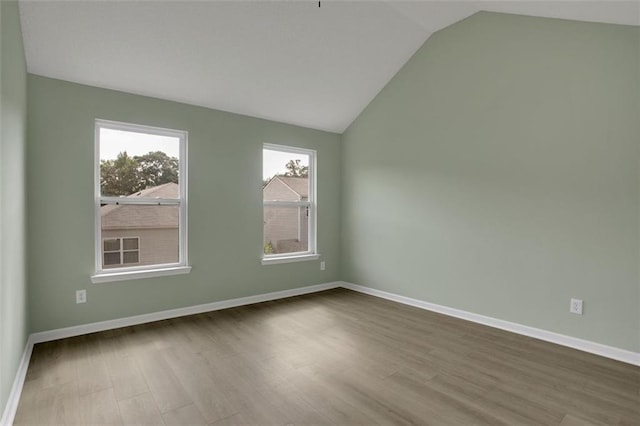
576, 306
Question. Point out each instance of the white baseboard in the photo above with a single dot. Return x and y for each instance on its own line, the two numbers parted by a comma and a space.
11, 406
45, 336
549, 336
61, 333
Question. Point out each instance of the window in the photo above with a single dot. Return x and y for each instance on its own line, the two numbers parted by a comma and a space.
140, 201
120, 251
289, 205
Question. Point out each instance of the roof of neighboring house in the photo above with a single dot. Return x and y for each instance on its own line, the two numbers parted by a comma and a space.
138, 216
299, 185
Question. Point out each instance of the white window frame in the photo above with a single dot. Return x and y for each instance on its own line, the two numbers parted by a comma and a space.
311, 203
121, 250
146, 271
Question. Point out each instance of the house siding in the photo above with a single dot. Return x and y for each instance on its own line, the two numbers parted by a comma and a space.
286, 228
157, 246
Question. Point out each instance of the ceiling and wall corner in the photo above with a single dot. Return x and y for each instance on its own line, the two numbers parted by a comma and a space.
290, 62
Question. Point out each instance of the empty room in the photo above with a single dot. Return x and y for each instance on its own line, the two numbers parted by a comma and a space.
319, 212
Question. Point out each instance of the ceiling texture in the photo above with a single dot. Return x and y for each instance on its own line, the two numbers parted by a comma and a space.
291, 61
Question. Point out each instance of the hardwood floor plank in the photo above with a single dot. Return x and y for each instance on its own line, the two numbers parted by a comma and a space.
187, 415
571, 420
140, 410
194, 375
126, 377
91, 368
59, 363
163, 384
98, 408
42, 405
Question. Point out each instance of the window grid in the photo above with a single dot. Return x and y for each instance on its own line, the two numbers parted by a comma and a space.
124, 255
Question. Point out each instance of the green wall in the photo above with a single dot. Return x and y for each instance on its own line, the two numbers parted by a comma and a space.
225, 205
497, 173
13, 282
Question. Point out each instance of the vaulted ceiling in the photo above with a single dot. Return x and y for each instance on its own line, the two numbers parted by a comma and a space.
290, 61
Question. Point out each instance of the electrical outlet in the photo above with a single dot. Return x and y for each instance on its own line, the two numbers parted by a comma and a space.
576, 306
81, 296
322, 266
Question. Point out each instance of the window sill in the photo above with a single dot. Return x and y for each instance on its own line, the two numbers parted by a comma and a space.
134, 275
289, 259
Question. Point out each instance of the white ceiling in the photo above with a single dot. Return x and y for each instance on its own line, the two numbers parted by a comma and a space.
286, 61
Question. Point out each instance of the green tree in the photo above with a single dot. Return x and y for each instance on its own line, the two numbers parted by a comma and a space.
119, 176
127, 175
294, 169
157, 168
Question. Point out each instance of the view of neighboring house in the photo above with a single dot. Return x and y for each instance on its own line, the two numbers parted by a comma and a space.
138, 235
286, 229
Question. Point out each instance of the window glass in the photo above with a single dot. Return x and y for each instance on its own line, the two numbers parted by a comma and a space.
131, 162
130, 243
288, 201
286, 229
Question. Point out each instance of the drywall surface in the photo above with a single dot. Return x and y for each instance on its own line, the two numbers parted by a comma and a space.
225, 205
13, 139
497, 173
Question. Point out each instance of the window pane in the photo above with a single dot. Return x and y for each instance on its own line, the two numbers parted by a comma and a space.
285, 176
286, 229
131, 162
155, 226
129, 243
112, 258
112, 244
130, 257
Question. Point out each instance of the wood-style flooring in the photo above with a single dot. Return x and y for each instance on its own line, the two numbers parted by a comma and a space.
335, 357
